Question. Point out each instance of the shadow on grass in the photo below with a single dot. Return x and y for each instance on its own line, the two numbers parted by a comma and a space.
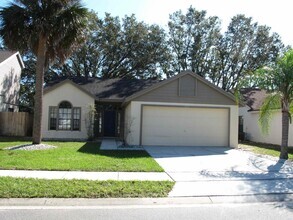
267, 146
14, 139
94, 148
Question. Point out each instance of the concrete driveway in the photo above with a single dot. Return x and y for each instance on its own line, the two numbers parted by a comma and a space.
217, 171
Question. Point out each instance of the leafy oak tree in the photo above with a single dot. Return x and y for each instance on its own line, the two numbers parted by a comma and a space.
196, 43
243, 48
191, 38
119, 48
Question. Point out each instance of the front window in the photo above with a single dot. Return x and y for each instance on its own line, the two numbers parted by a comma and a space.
76, 119
64, 117
53, 118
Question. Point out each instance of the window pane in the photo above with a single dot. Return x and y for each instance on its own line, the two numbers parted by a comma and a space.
76, 119
64, 121
76, 124
53, 118
53, 123
76, 113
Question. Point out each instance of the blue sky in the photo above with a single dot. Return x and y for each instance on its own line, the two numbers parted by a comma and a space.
276, 14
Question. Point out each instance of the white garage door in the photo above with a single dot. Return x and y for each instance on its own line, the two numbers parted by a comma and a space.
184, 126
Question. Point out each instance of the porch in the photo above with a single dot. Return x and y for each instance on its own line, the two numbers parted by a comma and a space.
109, 120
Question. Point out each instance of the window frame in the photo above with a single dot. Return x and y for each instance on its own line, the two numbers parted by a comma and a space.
72, 119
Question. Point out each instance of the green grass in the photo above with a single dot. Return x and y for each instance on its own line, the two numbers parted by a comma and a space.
85, 156
265, 149
40, 188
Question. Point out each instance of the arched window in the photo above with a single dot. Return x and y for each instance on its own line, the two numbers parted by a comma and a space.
65, 105
64, 117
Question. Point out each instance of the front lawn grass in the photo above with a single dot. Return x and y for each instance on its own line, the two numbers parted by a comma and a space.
85, 156
40, 188
265, 149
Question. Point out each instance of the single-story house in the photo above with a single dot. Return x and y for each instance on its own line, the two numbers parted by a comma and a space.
184, 110
249, 119
10, 70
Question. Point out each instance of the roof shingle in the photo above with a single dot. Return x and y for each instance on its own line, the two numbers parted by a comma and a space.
253, 98
5, 54
115, 89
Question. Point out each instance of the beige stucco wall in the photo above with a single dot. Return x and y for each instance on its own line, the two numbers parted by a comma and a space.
66, 92
253, 132
134, 112
10, 71
128, 122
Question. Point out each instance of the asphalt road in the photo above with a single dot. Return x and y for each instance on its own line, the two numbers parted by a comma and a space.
251, 211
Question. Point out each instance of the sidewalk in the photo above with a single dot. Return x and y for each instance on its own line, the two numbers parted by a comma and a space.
196, 188
152, 176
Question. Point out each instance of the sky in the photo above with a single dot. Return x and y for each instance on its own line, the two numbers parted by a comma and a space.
276, 14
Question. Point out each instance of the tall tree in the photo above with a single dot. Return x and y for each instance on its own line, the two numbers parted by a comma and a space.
196, 43
243, 48
119, 48
278, 80
51, 29
27, 83
191, 38
85, 60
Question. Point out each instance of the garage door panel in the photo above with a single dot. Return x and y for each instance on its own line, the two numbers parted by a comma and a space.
182, 126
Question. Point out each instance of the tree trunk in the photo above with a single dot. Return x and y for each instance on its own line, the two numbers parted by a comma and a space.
285, 131
38, 108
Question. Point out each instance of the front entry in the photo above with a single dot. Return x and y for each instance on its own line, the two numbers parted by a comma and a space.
109, 123
108, 120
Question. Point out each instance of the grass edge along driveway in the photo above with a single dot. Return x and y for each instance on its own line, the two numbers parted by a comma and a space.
75, 156
41, 188
264, 149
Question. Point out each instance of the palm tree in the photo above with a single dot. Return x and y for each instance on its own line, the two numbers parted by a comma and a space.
278, 80
51, 29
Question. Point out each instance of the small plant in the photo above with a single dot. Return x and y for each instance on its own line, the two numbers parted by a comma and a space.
90, 121
128, 130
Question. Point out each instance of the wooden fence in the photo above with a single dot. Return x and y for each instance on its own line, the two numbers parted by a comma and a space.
16, 124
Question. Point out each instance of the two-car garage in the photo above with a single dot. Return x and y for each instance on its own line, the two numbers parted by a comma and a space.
184, 126
184, 110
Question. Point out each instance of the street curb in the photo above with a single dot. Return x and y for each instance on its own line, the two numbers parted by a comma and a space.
52, 202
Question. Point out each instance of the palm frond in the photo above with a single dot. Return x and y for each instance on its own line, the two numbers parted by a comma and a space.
14, 27
271, 103
62, 22
67, 33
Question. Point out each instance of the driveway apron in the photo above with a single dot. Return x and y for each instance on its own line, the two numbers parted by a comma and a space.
219, 171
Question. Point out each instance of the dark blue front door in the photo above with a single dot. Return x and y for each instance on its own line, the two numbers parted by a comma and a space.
109, 123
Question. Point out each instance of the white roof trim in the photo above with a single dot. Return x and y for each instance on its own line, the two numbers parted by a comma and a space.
17, 54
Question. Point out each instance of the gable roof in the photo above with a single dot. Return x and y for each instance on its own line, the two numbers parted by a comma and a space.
61, 83
164, 82
124, 89
6, 54
116, 89
253, 98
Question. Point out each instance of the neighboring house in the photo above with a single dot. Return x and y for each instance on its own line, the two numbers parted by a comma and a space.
249, 117
184, 110
10, 70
